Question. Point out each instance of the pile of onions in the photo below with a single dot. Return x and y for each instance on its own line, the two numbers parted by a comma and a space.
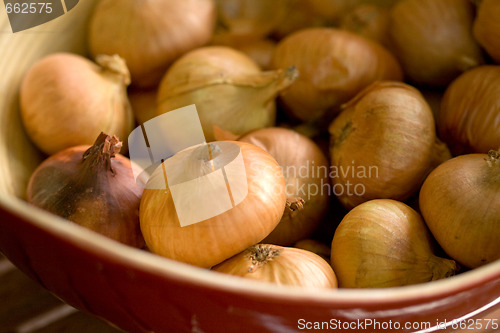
306, 173
280, 265
228, 88
433, 39
67, 100
93, 186
215, 239
150, 34
385, 243
383, 144
460, 202
334, 65
487, 27
469, 119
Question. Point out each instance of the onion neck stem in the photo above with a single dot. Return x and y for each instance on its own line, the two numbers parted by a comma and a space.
493, 158
114, 66
260, 254
101, 152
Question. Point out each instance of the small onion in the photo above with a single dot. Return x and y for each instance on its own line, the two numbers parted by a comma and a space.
487, 27
469, 118
215, 239
433, 39
460, 202
383, 144
306, 173
334, 65
227, 87
93, 186
67, 100
280, 265
385, 243
150, 34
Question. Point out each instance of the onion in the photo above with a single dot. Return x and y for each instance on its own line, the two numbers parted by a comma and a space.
334, 65
228, 88
208, 242
385, 243
150, 34
280, 265
487, 28
67, 100
252, 18
469, 118
92, 186
433, 39
383, 144
460, 202
306, 173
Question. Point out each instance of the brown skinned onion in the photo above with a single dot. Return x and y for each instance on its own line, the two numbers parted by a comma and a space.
385, 243
227, 87
150, 34
334, 65
370, 21
280, 265
460, 202
433, 39
469, 118
67, 100
93, 186
487, 28
215, 239
383, 144
305, 169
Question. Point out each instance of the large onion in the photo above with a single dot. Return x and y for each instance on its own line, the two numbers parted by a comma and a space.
210, 241
334, 65
383, 144
460, 202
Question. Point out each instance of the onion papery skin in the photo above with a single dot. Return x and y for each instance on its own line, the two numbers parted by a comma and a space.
334, 65
385, 243
433, 40
214, 240
150, 34
460, 202
383, 144
306, 173
469, 117
280, 265
99, 199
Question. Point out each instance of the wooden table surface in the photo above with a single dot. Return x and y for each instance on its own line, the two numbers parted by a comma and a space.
26, 307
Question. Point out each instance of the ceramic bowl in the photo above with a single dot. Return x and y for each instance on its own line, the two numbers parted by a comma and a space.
141, 292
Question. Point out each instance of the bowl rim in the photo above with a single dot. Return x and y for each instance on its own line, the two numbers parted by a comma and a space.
89, 240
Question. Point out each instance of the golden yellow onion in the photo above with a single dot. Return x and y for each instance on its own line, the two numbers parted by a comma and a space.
383, 144
460, 202
306, 173
469, 117
385, 243
334, 65
280, 265
433, 39
228, 88
210, 241
487, 27
150, 34
67, 100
